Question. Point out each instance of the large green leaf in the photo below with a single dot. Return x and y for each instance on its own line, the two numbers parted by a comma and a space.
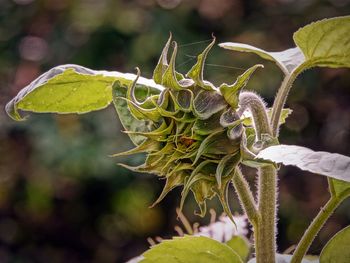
337, 249
329, 164
191, 249
70, 89
241, 246
325, 43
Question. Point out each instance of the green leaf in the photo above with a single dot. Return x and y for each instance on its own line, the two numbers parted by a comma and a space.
284, 115
325, 43
329, 164
231, 92
190, 249
337, 249
70, 89
339, 188
287, 60
241, 246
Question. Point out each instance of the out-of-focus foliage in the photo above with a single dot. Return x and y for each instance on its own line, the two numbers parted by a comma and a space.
62, 197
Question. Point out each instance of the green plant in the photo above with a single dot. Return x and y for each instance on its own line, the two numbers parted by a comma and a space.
198, 135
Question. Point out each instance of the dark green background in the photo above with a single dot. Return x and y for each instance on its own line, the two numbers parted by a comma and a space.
62, 199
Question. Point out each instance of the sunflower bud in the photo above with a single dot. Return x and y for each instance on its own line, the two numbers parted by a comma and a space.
194, 133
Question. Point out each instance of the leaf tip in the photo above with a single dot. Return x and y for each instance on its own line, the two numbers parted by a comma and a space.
12, 111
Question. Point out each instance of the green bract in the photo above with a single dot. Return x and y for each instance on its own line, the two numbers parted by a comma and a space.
194, 134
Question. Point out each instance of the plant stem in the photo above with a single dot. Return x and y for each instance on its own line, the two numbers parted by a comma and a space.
266, 243
281, 98
279, 102
315, 227
248, 204
256, 105
246, 197
265, 224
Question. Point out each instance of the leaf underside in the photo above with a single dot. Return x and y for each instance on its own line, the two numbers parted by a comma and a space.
329, 164
286, 60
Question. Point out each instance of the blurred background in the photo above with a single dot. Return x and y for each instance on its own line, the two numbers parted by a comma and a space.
62, 199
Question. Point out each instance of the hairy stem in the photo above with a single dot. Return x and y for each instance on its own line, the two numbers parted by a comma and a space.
315, 227
266, 244
255, 104
281, 99
265, 227
246, 197
248, 203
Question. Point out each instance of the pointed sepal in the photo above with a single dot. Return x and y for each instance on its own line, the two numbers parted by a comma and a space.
196, 72
217, 144
170, 77
222, 193
226, 167
147, 146
172, 182
162, 63
203, 190
199, 170
231, 91
146, 110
